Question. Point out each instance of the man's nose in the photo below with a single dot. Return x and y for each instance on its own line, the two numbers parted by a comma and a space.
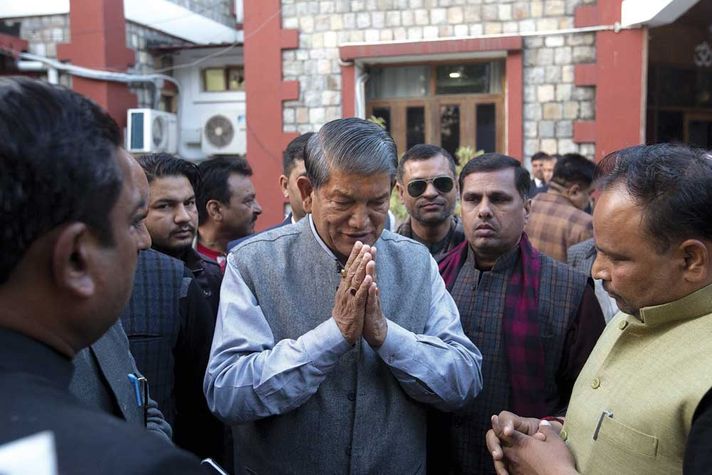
258, 208
144, 237
484, 210
359, 218
430, 190
182, 215
598, 270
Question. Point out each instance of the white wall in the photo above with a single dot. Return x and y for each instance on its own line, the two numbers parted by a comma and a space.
196, 106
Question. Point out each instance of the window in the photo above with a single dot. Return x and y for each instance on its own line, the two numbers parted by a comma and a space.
446, 104
229, 78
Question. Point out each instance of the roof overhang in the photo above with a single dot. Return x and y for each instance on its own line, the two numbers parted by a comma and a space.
653, 12
160, 15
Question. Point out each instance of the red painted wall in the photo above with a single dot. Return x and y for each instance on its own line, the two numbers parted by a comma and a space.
98, 33
264, 41
619, 76
12, 44
620, 95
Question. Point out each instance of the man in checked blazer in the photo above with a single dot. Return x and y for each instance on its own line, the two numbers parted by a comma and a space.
170, 327
581, 256
101, 380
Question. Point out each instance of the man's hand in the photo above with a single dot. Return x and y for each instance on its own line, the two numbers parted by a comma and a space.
375, 326
350, 299
504, 426
545, 453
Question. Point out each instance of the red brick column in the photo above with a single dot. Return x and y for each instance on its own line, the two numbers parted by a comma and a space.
266, 91
12, 44
98, 41
619, 75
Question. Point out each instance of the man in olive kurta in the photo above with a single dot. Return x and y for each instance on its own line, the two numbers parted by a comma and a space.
646, 386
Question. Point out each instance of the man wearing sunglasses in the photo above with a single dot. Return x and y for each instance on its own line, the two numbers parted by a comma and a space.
535, 320
426, 186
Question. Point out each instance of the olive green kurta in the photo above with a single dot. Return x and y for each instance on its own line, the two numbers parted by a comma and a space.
632, 405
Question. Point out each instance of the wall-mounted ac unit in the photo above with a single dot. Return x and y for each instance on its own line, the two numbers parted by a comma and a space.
150, 130
224, 133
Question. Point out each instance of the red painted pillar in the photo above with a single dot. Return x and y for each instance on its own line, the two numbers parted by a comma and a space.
348, 90
620, 95
264, 41
514, 108
98, 41
12, 44
619, 75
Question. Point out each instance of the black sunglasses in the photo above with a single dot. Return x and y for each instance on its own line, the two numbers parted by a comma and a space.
443, 184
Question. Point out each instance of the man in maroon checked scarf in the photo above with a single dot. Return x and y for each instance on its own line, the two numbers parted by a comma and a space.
534, 319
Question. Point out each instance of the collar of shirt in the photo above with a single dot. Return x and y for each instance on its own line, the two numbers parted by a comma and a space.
688, 307
217, 256
502, 264
319, 240
20, 352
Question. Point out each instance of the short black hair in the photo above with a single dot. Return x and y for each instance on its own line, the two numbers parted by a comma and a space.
541, 156
58, 164
214, 174
424, 152
672, 183
573, 168
492, 162
157, 165
296, 150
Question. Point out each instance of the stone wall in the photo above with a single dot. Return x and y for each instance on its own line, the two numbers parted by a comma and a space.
149, 60
43, 33
218, 10
551, 101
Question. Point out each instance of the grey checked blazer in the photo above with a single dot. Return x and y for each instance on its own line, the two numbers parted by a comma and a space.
102, 369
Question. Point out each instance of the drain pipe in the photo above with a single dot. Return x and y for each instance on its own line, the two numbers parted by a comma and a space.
53, 66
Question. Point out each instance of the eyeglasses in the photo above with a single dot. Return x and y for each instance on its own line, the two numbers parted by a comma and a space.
443, 184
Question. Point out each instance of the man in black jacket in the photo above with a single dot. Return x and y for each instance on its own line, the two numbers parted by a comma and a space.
66, 267
172, 219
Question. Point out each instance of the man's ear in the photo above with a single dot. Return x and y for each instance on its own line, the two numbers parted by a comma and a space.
283, 183
214, 210
401, 190
573, 190
305, 190
696, 258
72, 254
527, 209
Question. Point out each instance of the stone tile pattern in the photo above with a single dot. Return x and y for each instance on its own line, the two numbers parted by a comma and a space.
551, 100
218, 10
149, 60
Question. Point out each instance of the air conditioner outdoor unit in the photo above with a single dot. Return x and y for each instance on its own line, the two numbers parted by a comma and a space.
151, 131
224, 133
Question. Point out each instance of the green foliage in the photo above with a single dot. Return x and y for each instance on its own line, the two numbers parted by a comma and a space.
378, 121
397, 207
463, 155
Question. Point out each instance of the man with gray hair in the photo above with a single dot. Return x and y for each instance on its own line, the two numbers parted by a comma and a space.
333, 334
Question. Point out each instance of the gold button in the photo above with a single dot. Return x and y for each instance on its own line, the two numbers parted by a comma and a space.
563, 435
622, 324
595, 383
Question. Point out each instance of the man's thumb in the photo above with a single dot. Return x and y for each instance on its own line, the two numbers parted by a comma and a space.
545, 431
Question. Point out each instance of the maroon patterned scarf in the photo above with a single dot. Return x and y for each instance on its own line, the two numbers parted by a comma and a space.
520, 325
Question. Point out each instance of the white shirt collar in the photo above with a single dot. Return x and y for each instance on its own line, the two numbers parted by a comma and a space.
318, 238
